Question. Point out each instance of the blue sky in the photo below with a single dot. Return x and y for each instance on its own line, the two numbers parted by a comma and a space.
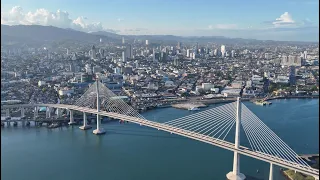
297, 19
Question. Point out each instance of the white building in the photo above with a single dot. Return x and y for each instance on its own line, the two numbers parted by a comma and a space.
123, 56
88, 69
223, 50
207, 86
268, 56
291, 60
41, 83
63, 92
147, 42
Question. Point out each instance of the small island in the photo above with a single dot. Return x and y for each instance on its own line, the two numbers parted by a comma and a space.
312, 160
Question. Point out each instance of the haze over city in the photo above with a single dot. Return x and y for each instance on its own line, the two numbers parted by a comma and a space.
286, 20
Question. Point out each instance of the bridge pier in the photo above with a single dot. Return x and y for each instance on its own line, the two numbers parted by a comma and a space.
235, 174
22, 112
71, 118
271, 172
99, 130
58, 113
85, 125
8, 112
35, 113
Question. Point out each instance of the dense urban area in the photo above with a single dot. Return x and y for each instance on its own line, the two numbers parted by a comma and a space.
148, 74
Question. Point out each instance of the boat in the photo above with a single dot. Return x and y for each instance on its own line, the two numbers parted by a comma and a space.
193, 109
262, 102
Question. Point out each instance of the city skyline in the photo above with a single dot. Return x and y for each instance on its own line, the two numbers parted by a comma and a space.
286, 20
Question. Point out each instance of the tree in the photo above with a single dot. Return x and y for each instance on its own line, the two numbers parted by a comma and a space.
314, 88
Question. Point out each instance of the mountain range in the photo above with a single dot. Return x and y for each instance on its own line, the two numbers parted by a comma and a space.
42, 34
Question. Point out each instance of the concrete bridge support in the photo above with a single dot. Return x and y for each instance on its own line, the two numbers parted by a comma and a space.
99, 130
71, 122
235, 174
85, 125
47, 112
59, 113
8, 112
271, 172
35, 113
22, 112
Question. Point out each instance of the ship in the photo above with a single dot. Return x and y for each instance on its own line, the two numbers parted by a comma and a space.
262, 102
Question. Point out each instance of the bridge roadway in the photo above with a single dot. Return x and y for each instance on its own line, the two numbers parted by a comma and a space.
192, 135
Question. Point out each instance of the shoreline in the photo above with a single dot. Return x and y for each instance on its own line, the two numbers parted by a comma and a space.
229, 100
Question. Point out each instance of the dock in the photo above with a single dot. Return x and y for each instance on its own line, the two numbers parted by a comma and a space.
189, 105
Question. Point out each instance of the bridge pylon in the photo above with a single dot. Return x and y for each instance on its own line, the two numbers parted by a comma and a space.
235, 173
99, 130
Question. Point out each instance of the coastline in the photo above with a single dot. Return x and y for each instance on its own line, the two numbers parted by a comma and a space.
229, 100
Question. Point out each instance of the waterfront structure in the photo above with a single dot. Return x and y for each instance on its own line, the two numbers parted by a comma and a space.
210, 126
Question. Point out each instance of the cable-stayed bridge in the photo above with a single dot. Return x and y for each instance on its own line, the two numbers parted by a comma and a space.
211, 126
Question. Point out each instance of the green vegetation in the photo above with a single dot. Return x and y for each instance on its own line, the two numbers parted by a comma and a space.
297, 175
314, 88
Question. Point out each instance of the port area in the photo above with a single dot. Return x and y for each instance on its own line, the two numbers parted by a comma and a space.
311, 159
189, 106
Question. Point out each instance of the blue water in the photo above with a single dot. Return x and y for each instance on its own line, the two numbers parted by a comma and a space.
129, 151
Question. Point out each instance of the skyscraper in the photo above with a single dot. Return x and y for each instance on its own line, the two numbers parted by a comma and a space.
123, 56
129, 51
305, 53
223, 50
147, 42
93, 52
179, 46
123, 41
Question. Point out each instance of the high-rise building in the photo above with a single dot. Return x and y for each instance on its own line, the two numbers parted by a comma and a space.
232, 53
223, 50
124, 58
291, 60
215, 52
101, 52
67, 51
188, 52
93, 52
176, 62
88, 69
123, 41
129, 51
153, 55
147, 42
179, 46
268, 56
305, 53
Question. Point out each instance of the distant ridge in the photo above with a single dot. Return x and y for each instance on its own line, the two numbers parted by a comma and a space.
37, 33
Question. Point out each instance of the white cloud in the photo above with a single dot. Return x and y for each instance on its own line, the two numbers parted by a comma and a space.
223, 26
120, 19
284, 20
46, 18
